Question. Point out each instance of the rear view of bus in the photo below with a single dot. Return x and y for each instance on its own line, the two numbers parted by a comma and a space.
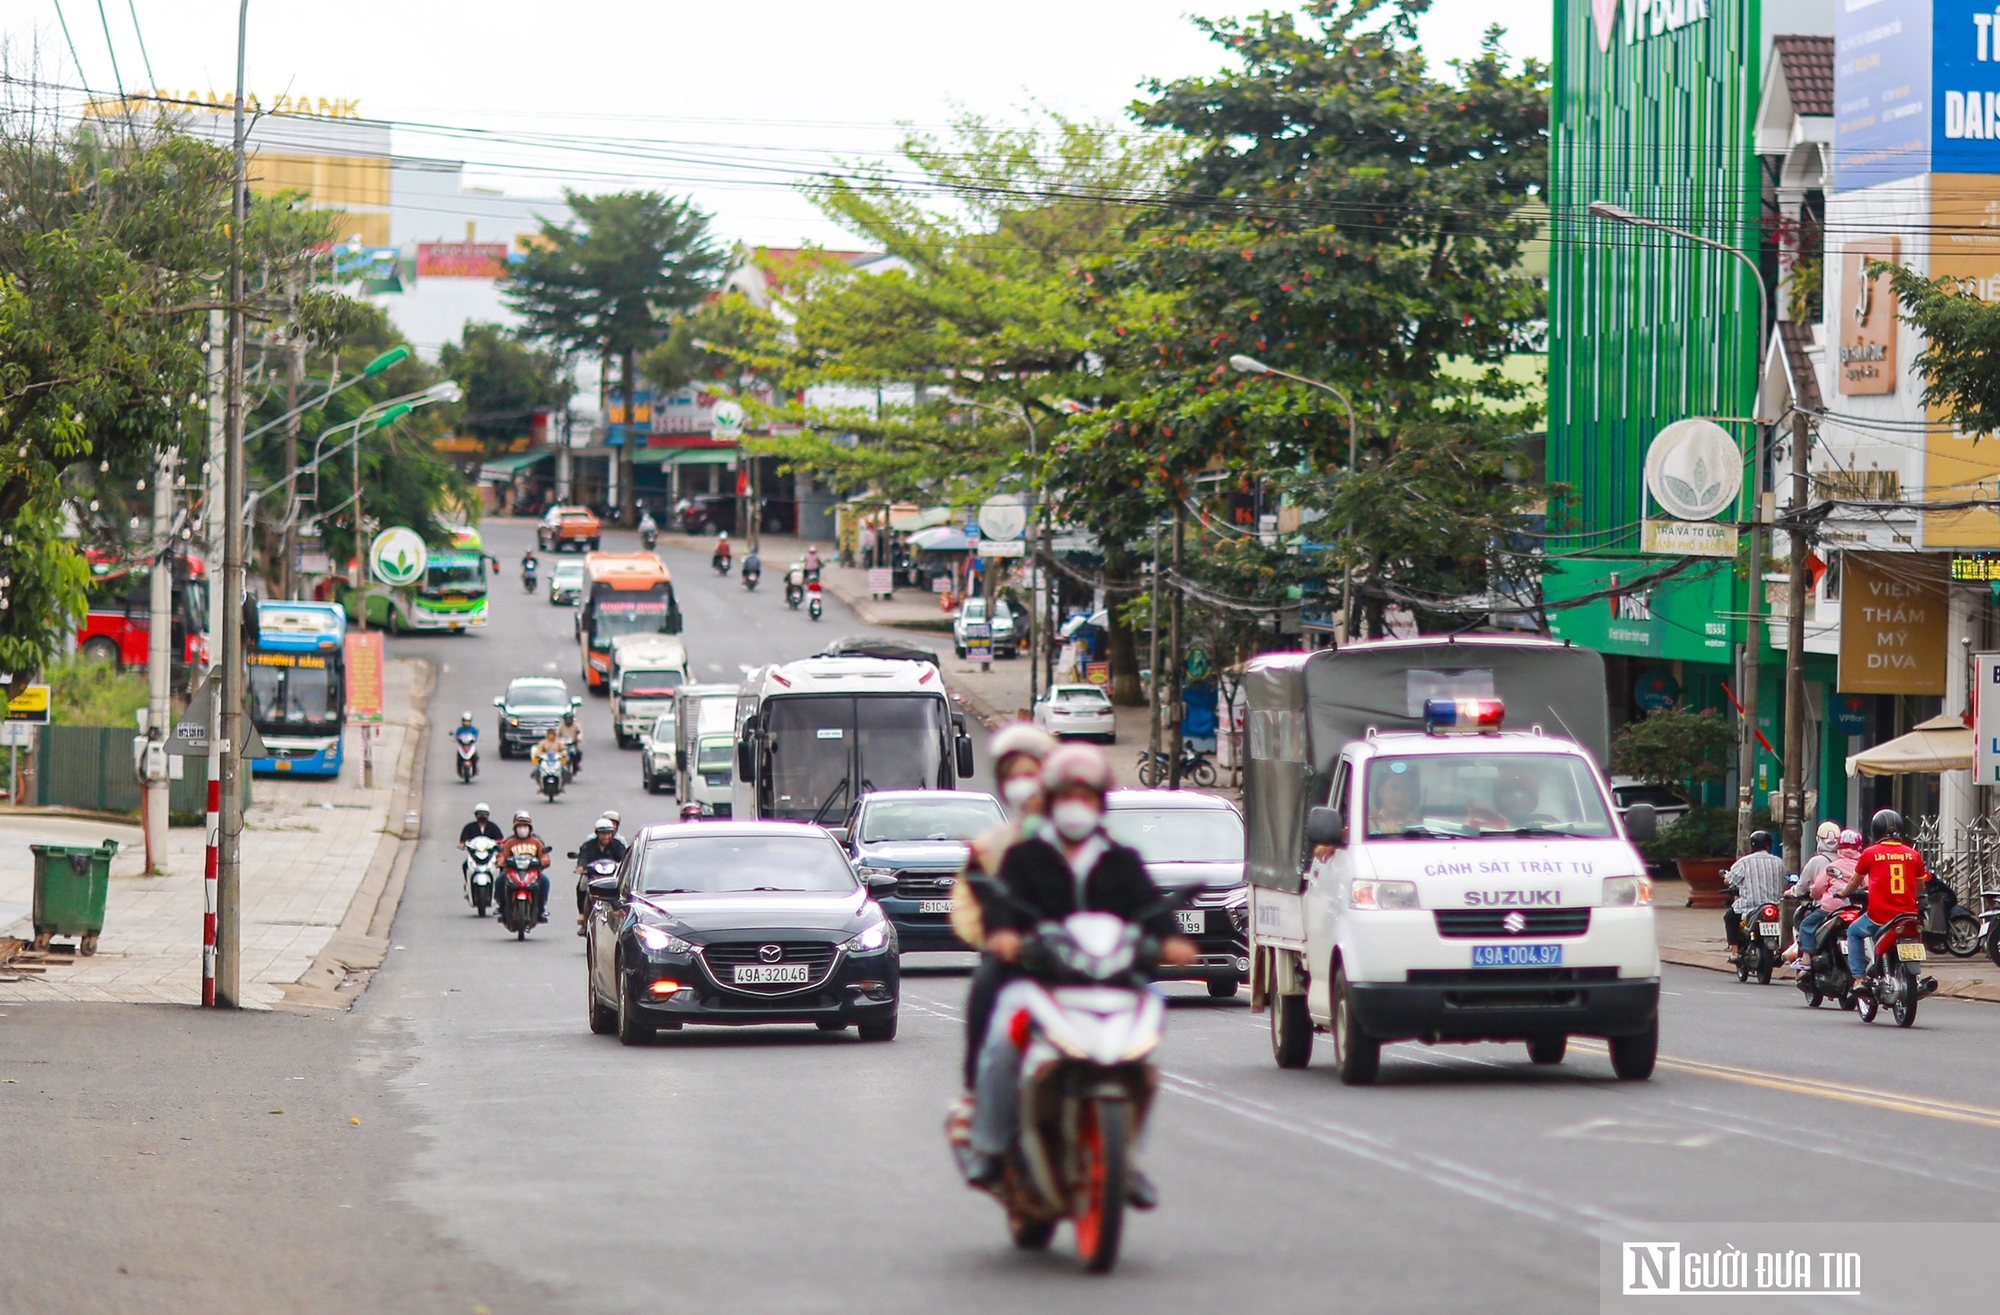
297, 694
624, 593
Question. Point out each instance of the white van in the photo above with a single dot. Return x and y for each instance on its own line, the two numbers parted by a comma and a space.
646, 672
1420, 871
706, 724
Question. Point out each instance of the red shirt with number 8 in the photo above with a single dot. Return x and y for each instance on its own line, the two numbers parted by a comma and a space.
1895, 874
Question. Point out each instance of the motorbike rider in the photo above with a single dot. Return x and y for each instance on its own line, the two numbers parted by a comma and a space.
812, 561
753, 565
482, 824
551, 742
525, 841
1824, 887
1758, 878
646, 523
693, 811
528, 562
466, 732
603, 843
721, 558
1893, 872
571, 735
1072, 865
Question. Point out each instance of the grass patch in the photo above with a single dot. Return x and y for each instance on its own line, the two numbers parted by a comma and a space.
87, 693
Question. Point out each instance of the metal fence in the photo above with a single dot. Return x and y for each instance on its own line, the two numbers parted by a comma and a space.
1968, 860
91, 767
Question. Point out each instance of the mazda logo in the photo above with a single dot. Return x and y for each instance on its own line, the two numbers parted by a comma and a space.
1515, 922
770, 953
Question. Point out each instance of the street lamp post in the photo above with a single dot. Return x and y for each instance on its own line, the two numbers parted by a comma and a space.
1251, 365
1746, 741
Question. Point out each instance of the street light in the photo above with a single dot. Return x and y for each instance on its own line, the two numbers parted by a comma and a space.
369, 371
1746, 748
376, 417
1251, 365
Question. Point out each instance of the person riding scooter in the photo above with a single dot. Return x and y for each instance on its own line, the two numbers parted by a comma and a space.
551, 743
753, 569
721, 559
1070, 866
795, 584
525, 841
481, 825
603, 843
1758, 878
467, 734
649, 530
572, 742
812, 561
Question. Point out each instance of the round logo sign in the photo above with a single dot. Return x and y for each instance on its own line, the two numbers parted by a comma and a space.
729, 417
1003, 519
398, 556
1693, 470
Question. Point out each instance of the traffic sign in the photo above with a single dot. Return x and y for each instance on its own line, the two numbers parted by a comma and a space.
398, 556
193, 732
30, 705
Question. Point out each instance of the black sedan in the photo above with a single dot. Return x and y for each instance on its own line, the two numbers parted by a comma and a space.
739, 923
1193, 842
916, 839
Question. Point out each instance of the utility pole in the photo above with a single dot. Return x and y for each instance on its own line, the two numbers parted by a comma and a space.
1174, 743
1153, 659
366, 731
212, 518
296, 363
1746, 747
1795, 662
159, 664
229, 857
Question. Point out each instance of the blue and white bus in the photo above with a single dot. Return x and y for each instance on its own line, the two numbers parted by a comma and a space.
297, 687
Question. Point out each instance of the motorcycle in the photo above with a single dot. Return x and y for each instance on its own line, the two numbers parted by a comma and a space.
1762, 944
521, 904
1087, 1083
1892, 978
468, 760
1195, 768
480, 869
1949, 926
814, 607
795, 591
651, 538
528, 577
720, 562
550, 776
1826, 975
751, 575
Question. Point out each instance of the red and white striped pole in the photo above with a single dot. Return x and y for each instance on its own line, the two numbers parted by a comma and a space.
209, 869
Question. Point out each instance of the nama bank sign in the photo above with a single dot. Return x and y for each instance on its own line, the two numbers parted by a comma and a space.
1644, 18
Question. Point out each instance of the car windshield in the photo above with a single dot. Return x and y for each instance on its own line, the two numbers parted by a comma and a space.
720, 864
1088, 695
663, 731
1428, 796
975, 610
829, 749
455, 575
715, 755
293, 692
569, 570
537, 696
649, 684
642, 615
1178, 835
946, 815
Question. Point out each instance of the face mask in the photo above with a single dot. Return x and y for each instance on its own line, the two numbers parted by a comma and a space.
523, 832
1020, 791
1075, 818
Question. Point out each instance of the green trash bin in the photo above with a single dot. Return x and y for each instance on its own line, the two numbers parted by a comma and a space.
70, 884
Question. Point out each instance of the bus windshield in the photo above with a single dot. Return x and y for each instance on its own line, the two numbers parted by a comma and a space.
639, 614
649, 684
296, 693
455, 574
828, 749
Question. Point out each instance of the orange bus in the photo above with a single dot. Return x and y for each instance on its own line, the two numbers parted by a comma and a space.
624, 593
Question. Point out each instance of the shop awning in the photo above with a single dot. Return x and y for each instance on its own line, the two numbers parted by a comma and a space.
495, 469
1942, 744
706, 456
940, 538
923, 520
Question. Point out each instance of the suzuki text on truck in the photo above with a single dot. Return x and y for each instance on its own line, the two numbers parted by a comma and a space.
1434, 855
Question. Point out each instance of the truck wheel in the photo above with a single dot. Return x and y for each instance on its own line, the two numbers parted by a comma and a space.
1632, 1056
1223, 988
101, 649
1291, 1031
1357, 1057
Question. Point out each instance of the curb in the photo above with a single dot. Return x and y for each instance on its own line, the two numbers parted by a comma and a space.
346, 964
1982, 992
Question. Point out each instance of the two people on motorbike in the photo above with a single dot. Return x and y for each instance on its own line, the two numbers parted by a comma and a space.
1063, 862
525, 841
1893, 872
604, 842
1758, 878
1822, 882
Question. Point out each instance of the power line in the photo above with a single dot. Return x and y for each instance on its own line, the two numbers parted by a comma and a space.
117, 78
144, 58
68, 39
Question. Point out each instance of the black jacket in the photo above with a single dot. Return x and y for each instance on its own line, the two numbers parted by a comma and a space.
589, 852
481, 827
1035, 873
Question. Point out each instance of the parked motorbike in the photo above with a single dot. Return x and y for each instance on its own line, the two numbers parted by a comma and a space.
1949, 926
1762, 944
521, 902
1989, 927
814, 607
1087, 1083
549, 775
481, 872
468, 760
1893, 978
1826, 975
1195, 768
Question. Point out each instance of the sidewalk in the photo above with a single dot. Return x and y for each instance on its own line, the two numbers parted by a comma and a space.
1693, 938
322, 863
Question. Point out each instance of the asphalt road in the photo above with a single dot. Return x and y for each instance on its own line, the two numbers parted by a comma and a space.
509, 1161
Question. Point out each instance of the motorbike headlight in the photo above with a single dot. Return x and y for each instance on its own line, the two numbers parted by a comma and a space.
869, 941
660, 940
1628, 890
1382, 895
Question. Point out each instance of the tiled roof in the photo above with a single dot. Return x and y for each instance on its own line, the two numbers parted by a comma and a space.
1808, 65
1805, 383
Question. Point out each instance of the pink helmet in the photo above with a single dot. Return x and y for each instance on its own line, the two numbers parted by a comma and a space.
1074, 765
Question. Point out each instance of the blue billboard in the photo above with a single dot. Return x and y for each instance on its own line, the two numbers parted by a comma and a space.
1882, 101
1965, 126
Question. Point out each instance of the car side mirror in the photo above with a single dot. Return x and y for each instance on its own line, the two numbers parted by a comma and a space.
839, 833
965, 763
672, 625
575, 702
746, 756
499, 702
1642, 823
1326, 826
604, 888
881, 881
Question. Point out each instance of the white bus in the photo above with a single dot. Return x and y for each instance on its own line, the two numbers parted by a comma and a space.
813, 736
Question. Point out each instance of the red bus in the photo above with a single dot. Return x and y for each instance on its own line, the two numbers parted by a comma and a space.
121, 609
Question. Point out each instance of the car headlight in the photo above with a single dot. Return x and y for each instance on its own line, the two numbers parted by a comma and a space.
513, 721
866, 871
1382, 895
1628, 890
660, 940
599, 664
870, 940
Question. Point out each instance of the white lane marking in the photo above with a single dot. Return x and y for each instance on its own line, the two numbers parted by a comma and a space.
717, 666
1637, 1132
1787, 1134
550, 666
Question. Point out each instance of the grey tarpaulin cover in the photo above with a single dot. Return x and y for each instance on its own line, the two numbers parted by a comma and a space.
1305, 706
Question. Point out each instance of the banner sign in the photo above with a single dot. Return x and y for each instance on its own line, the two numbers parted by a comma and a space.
1671, 538
364, 676
461, 260
1892, 623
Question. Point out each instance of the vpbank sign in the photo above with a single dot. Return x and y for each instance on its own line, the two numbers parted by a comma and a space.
1644, 18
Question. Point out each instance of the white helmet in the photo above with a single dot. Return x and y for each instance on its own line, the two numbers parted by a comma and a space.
603, 824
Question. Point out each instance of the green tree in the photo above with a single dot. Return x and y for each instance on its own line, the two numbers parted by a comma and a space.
606, 282
505, 381
1961, 346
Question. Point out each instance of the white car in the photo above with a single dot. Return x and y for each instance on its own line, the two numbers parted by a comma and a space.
657, 749
1006, 642
566, 580
1077, 710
